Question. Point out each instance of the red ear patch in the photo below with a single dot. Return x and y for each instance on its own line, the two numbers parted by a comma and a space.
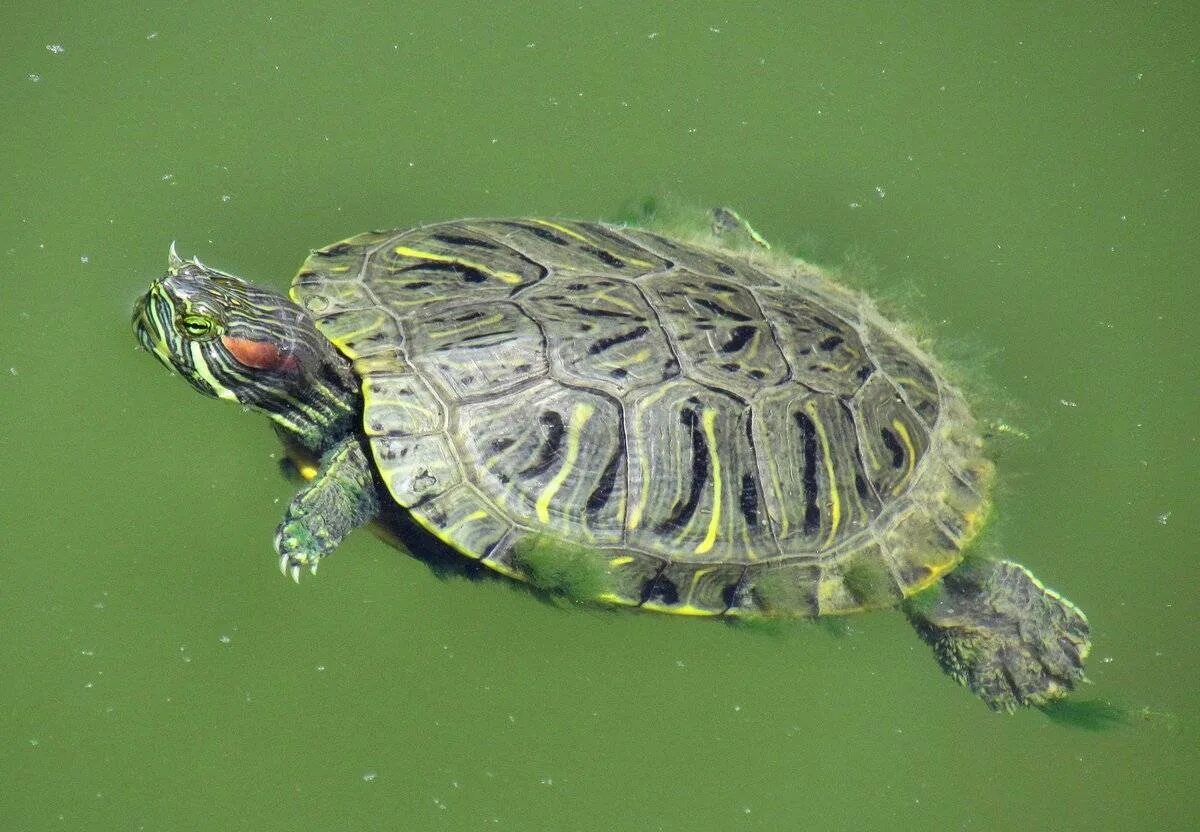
261, 355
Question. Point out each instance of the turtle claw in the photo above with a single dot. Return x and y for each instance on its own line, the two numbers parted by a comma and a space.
296, 572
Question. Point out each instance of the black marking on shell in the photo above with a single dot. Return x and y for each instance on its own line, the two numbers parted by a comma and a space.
661, 590
334, 250
552, 422
730, 595
605, 257
467, 273
599, 497
808, 435
681, 513
723, 311
831, 343
459, 240
592, 312
749, 500
542, 233
602, 344
738, 338
893, 445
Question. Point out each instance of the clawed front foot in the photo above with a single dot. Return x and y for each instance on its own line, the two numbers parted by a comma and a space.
340, 498
300, 546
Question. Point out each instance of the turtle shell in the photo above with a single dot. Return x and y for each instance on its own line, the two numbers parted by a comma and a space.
725, 433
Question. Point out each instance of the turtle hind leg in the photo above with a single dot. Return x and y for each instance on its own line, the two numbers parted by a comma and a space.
995, 628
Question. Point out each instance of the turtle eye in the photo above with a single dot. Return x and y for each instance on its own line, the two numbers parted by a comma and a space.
198, 327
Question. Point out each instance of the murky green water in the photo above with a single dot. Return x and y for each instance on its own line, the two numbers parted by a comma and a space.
1030, 171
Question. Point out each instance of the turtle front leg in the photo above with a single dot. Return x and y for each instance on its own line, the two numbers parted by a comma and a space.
996, 629
339, 499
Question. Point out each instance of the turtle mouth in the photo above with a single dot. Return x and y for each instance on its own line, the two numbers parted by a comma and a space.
149, 318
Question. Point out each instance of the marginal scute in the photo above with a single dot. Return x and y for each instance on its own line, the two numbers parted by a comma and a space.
400, 404
573, 247
465, 519
415, 468
724, 265
908, 372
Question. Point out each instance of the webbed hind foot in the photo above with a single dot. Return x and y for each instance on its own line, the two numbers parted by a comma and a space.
996, 629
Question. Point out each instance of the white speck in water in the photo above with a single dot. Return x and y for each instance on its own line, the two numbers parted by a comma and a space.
152, 36
737, 708
1107, 660
225, 197
1068, 403
714, 30
224, 639
745, 810
12, 370
855, 204
369, 776
34, 77
83, 258
166, 177
880, 191
547, 781
439, 803
1164, 517
87, 652
35, 742
652, 35
55, 48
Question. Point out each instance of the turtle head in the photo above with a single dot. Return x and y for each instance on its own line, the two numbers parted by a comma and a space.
234, 340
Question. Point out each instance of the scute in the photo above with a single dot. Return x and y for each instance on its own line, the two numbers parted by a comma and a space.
729, 434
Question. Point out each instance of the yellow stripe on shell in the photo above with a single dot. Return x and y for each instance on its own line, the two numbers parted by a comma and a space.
707, 420
579, 418
462, 521
835, 500
506, 277
910, 454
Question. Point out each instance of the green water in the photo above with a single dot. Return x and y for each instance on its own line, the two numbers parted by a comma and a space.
1028, 173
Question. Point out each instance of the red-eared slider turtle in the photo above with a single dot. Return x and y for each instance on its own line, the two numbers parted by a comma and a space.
715, 431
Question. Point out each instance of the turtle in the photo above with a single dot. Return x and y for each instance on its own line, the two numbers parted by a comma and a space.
702, 426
